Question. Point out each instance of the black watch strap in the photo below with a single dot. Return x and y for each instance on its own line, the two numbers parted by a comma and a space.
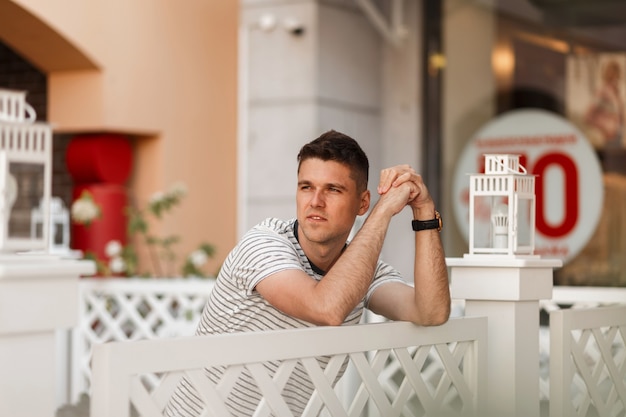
435, 223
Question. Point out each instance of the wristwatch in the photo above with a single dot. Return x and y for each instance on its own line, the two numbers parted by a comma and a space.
435, 223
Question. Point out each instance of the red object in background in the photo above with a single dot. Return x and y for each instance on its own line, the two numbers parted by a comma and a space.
100, 164
105, 158
111, 225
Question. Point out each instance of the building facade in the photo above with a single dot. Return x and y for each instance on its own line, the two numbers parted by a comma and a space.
221, 95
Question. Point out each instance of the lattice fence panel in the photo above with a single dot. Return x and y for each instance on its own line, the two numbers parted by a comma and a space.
598, 385
427, 380
393, 380
132, 309
565, 297
590, 379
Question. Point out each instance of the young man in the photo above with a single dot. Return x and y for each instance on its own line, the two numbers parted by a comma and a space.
303, 272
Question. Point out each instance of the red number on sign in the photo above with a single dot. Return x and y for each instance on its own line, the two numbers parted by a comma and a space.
570, 198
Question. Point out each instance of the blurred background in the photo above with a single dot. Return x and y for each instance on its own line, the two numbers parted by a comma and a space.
215, 98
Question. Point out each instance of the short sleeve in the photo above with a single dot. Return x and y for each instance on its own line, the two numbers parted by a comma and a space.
385, 274
261, 253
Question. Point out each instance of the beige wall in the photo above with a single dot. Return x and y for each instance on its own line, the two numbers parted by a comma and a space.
163, 72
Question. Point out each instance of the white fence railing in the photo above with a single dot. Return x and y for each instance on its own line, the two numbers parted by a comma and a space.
131, 309
135, 309
588, 365
460, 345
571, 298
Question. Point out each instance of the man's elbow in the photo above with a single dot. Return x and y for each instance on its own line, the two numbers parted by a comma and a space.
435, 317
435, 321
328, 318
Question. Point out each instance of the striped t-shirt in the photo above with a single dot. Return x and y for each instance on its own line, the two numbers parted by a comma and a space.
235, 306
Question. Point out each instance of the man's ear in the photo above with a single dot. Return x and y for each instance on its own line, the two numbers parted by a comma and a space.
365, 202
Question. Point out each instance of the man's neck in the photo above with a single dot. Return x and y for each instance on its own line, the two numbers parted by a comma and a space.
321, 257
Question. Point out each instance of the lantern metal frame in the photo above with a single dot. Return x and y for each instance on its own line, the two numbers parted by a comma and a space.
504, 178
25, 144
14, 108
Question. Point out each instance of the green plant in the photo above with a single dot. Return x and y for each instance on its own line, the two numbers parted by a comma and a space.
123, 260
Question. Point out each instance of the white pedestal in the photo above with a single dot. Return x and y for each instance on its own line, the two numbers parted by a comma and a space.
507, 291
38, 295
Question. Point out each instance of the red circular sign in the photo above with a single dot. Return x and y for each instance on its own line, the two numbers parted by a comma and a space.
568, 186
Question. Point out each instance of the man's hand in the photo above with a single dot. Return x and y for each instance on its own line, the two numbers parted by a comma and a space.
419, 198
396, 198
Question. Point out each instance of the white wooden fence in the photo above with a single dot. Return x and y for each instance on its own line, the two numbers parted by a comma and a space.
135, 309
460, 345
571, 298
587, 362
130, 309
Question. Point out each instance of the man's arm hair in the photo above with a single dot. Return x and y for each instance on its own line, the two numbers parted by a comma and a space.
330, 300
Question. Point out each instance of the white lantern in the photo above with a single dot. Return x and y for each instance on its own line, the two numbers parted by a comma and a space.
59, 226
25, 174
502, 209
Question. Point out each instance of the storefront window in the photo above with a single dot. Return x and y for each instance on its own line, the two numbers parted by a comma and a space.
565, 58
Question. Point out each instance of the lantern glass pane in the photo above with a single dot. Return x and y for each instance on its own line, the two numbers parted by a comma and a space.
57, 235
523, 222
482, 221
25, 189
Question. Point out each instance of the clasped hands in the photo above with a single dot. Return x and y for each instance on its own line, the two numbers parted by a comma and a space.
400, 186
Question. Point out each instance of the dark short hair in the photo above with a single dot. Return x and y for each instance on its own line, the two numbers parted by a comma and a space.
335, 146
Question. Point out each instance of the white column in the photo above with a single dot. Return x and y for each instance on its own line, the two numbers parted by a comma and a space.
38, 295
507, 291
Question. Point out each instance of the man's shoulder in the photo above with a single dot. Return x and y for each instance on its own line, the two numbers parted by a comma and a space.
272, 235
276, 225
271, 230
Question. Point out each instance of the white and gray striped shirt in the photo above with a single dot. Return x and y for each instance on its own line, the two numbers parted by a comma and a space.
235, 306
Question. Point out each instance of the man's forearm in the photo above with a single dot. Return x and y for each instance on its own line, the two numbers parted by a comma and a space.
347, 282
432, 292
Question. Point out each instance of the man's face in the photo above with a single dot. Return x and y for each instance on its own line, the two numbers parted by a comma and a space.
328, 201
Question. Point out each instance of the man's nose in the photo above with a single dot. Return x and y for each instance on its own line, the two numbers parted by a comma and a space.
317, 199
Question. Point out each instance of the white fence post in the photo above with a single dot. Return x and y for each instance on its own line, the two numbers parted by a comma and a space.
507, 291
37, 299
